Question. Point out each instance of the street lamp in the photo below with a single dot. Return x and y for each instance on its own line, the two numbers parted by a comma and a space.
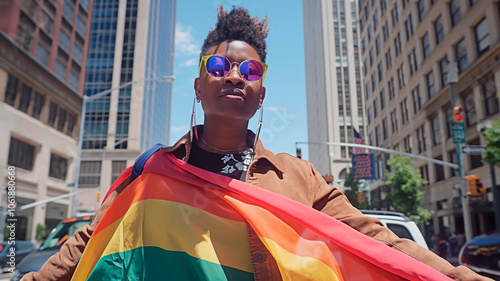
87, 99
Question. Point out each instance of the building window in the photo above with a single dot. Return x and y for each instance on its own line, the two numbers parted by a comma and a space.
90, 174
482, 37
417, 99
394, 120
375, 21
431, 91
117, 168
436, 137
475, 160
421, 139
443, 66
412, 59
42, 54
490, 96
404, 111
470, 110
380, 71
401, 77
21, 154
369, 32
455, 14
384, 128
421, 10
388, 59
61, 120
38, 103
461, 56
439, 29
439, 170
382, 99
424, 172
71, 124
60, 69
377, 45
375, 108
374, 82
58, 167
25, 98
377, 136
371, 57
365, 67
409, 28
390, 86
11, 90
363, 45
397, 44
64, 40
369, 115
407, 144
52, 114
426, 47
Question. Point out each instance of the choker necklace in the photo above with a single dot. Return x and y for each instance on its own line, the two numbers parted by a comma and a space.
223, 150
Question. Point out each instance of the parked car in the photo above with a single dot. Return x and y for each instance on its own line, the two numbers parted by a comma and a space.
400, 224
51, 245
20, 249
482, 254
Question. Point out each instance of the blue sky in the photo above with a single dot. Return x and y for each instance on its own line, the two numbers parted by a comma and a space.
285, 117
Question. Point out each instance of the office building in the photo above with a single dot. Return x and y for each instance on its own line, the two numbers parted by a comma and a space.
407, 46
42, 60
335, 103
132, 42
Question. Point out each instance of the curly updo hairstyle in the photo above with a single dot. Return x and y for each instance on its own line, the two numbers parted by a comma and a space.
238, 25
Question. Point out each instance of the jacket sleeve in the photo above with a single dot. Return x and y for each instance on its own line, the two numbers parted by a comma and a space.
334, 203
62, 264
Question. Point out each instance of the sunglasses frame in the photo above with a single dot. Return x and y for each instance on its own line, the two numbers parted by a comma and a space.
204, 60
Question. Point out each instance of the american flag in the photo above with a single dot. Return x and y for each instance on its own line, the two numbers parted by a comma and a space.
359, 140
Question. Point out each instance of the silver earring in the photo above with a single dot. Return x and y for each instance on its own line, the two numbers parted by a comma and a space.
193, 120
259, 124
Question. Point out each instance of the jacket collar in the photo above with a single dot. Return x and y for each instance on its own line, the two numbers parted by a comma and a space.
182, 148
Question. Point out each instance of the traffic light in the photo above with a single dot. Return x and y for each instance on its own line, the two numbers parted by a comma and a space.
458, 112
475, 186
479, 187
98, 196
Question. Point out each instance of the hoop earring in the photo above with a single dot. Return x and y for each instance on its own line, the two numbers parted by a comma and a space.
259, 124
193, 120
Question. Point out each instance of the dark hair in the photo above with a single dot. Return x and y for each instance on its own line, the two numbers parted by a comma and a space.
238, 25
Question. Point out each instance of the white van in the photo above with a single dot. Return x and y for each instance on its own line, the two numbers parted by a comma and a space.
400, 224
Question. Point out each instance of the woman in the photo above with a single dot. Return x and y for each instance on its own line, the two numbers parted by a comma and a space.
230, 88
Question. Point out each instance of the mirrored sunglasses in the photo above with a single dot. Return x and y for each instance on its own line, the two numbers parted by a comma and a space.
219, 66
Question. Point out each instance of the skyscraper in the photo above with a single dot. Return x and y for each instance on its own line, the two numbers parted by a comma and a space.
335, 102
131, 41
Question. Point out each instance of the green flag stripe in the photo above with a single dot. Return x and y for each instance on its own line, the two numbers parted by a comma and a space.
152, 263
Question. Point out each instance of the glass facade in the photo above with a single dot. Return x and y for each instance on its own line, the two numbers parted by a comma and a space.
154, 114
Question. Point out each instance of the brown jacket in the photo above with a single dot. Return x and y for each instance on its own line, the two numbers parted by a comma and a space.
283, 174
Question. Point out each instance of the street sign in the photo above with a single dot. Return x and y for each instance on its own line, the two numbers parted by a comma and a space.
458, 132
474, 149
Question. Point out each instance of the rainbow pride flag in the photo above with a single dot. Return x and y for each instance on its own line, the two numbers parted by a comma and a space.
178, 222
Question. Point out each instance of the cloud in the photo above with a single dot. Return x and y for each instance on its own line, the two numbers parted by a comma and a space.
189, 63
185, 43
